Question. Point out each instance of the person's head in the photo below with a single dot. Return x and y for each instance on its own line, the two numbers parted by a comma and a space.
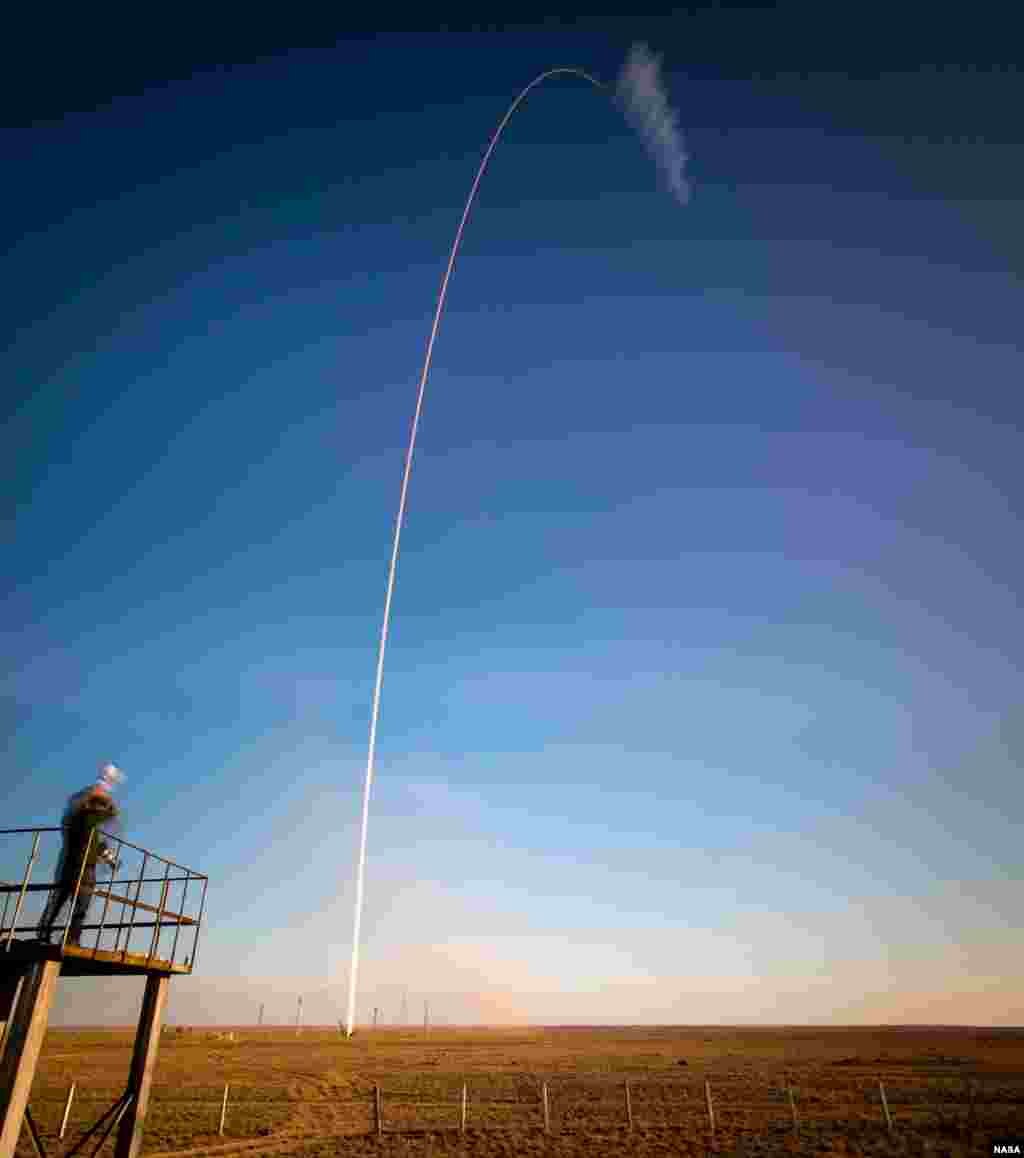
98, 796
109, 777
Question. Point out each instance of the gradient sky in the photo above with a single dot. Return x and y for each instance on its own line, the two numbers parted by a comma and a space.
702, 702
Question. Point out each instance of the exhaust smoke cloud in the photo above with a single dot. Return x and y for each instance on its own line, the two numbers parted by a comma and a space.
641, 94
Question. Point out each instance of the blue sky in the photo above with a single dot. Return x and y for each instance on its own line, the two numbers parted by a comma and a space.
702, 698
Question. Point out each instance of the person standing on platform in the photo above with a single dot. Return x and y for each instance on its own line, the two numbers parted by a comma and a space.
87, 812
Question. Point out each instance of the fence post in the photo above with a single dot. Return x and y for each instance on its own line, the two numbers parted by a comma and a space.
223, 1109
462, 1125
792, 1105
544, 1101
710, 1105
67, 1111
629, 1107
378, 1110
885, 1105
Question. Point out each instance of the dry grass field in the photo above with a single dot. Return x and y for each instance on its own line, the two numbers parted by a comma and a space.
950, 1091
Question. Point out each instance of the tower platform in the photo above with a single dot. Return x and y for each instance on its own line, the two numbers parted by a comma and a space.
145, 921
76, 961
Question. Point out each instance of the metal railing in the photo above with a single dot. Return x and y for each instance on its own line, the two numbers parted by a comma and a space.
169, 897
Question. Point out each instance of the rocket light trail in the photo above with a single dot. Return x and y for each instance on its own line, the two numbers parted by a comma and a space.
375, 711
642, 98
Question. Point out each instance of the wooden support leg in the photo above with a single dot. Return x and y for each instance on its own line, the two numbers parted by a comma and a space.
24, 1041
147, 1042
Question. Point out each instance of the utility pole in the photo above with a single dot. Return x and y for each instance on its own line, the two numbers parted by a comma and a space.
375, 1017
426, 1017
405, 1008
298, 1017
260, 1022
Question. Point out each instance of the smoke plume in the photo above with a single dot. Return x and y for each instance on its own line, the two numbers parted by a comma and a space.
642, 97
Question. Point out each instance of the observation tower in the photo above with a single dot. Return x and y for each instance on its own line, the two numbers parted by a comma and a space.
143, 921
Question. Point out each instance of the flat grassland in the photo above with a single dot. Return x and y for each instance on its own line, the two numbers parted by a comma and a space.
312, 1093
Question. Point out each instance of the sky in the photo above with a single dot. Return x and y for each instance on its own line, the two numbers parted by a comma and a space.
702, 698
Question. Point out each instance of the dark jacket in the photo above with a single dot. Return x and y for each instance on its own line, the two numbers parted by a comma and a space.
86, 814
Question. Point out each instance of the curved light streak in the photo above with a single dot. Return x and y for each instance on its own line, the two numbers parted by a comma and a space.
372, 746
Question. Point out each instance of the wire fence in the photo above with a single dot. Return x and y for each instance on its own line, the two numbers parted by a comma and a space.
181, 1114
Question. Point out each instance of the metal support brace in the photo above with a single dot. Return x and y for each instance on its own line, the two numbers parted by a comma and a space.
33, 1133
117, 1109
127, 1101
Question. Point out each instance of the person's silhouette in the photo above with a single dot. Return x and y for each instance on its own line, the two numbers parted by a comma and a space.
86, 813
